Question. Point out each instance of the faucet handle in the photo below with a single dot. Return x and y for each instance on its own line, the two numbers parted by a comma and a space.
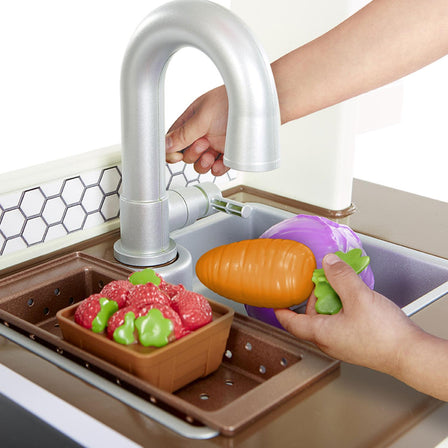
232, 207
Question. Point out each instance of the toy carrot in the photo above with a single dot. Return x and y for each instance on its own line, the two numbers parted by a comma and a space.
273, 273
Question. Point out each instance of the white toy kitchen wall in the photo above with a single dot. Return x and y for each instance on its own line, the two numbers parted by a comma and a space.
317, 150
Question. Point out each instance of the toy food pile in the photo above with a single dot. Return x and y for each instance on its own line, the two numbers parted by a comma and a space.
281, 268
144, 309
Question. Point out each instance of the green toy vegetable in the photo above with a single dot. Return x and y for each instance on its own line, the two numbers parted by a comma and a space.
328, 302
124, 334
145, 276
153, 329
108, 307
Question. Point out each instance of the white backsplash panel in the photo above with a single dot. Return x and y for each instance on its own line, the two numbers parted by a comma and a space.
60, 207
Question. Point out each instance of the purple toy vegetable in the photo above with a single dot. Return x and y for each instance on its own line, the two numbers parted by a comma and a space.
322, 236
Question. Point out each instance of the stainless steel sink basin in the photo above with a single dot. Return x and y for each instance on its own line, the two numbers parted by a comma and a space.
410, 278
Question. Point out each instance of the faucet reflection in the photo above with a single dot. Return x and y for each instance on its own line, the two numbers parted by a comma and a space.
253, 122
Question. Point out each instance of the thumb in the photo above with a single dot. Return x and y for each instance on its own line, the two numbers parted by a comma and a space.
184, 135
342, 278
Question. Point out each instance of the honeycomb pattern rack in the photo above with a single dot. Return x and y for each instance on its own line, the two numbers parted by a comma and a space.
55, 209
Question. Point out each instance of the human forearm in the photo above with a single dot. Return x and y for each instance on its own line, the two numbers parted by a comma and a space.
382, 42
423, 365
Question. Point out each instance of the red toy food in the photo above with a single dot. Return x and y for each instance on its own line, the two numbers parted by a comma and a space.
118, 319
117, 290
193, 309
146, 294
94, 312
132, 316
170, 289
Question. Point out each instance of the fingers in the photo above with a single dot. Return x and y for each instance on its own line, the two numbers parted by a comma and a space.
205, 162
195, 150
218, 168
181, 137
311, 305
203, 156
344, 280
198, 135
300, 325
211, 160
174, 157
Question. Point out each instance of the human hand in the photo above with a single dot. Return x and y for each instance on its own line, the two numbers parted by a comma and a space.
198, 135
370, 330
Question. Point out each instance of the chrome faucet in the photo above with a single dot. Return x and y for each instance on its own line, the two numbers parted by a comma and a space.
253, 123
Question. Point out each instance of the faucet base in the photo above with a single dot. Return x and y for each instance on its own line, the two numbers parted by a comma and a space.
145, 259
178, 271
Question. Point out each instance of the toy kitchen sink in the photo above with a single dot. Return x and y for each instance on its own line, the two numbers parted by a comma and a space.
410, 278
262, 366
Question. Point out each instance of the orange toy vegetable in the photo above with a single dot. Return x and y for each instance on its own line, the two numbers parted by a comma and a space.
273, 273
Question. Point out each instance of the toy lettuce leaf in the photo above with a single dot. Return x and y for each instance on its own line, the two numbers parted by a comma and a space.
328, 302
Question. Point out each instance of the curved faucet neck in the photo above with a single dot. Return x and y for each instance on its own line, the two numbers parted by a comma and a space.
253, 122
